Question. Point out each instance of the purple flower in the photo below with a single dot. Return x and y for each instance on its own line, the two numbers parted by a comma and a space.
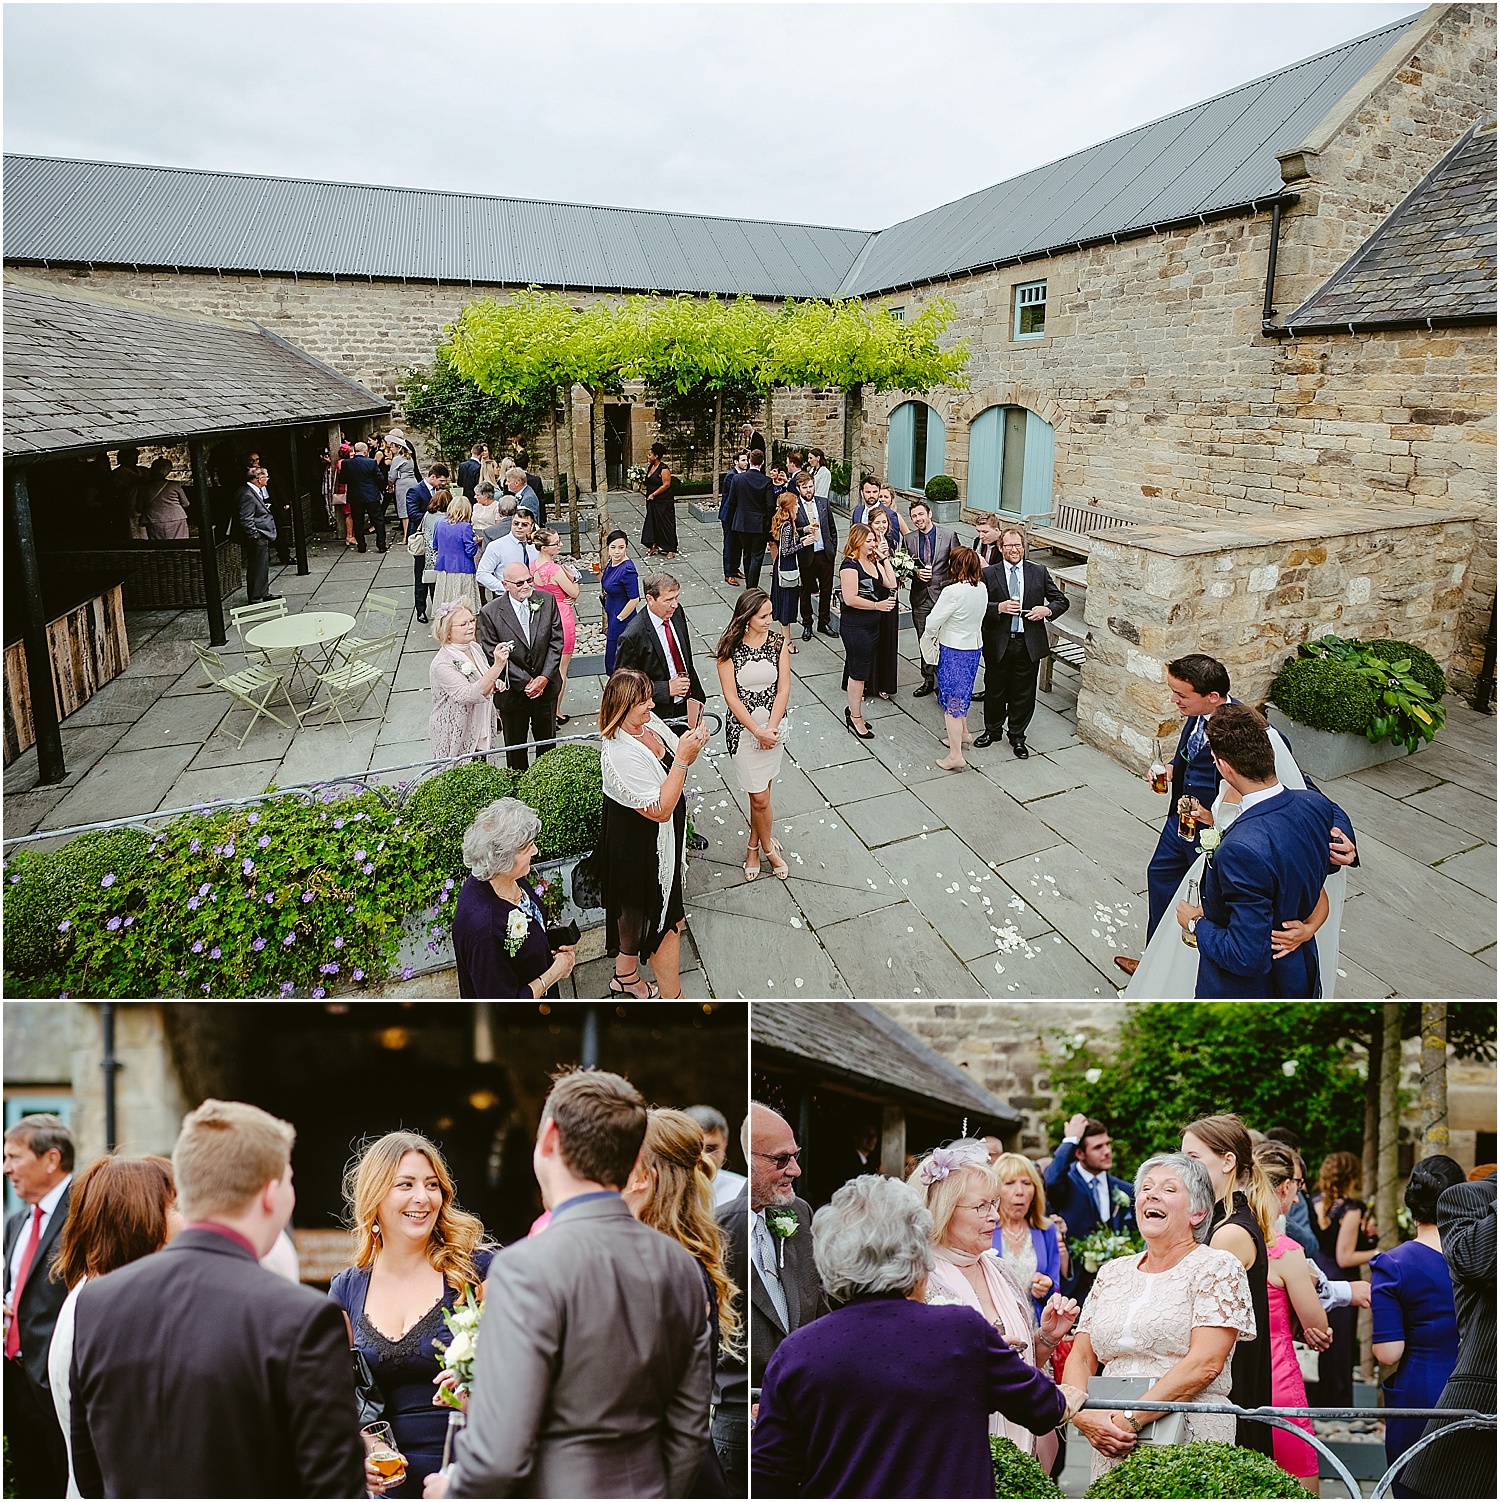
338, 823
206, 988
197, 946
307, 896
193, 903
359, 975
258, 945
254, 819
263, 841
204, 890
406, 972
129, 921
229, 849
194, 848
287, 942
14, 880
247, 865
368, 869
270, 898
108, 881
338, 942
318, 992
113, 925
359, 855
286, 988
64, 926
329, 969
214, 953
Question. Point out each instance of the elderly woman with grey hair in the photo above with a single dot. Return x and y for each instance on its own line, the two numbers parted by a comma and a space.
1169, 1316
499, 934
889, 1396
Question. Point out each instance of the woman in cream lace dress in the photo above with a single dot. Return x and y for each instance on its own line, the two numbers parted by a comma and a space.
1171, 1314
962, 1192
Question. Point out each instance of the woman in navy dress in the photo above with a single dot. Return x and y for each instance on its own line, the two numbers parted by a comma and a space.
1413, 1324
415, 1252
620, 588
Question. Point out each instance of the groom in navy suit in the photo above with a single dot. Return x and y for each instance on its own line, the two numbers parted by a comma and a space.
1268, 870
1082, 1190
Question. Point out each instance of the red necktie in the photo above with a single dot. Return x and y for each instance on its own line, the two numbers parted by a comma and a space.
13, 1335
679, 667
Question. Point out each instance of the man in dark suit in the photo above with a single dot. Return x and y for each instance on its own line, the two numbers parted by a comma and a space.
656, 642
1082, 1190
257, 528
752, 504
1022, 599
987, 539
469, 469
534, 485
528, 619
198, 1373
731, 1425
929, 545
417, 499
863, 1156
785, 1291
819, 530
750, 440
1268, 870
366, 483
726, 517
1463, 1465
39, 1165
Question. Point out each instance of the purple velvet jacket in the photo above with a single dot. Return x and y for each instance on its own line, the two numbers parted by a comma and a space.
889, 1398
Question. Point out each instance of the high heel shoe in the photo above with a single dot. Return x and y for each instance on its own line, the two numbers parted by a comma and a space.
779, 868
751, 872
620, 986
865, 735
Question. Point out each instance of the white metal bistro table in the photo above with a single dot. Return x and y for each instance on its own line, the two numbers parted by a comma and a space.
307, 632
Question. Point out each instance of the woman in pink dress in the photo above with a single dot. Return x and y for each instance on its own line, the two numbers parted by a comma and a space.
1290, 1293
463, 685
559, 582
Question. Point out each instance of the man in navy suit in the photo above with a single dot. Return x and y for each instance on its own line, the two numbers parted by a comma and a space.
416, 508
366, 494
1082, 1190
820, 539
752, 501
1268, 870
726, 517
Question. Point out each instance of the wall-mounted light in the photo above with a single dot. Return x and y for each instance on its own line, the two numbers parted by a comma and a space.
393, 1037
484, 1100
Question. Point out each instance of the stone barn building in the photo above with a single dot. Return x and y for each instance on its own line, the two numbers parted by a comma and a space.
1254, 339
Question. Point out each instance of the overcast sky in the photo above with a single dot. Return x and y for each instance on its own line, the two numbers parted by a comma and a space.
856, 114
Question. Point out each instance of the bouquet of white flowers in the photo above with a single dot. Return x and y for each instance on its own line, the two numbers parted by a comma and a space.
458, 1355
635, 476
1104, 1245
903, 565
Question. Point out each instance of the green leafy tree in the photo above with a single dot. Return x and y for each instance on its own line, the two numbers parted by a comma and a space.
440, 400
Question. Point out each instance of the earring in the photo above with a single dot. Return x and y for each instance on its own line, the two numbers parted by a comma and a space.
375, 1230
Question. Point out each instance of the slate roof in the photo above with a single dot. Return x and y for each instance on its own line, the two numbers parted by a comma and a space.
1210, 158
1434, 257
86, 373
853, 1041
111, 213
1205, 159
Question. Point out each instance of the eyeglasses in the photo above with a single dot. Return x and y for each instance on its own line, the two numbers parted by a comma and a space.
982, 1205
780, 1159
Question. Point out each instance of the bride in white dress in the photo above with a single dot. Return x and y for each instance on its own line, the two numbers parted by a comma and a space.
1169, 968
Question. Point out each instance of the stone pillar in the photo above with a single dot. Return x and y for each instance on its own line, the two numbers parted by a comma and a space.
892, 1141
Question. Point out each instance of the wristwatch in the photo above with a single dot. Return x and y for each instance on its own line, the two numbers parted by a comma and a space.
1192, 926
1129, 1416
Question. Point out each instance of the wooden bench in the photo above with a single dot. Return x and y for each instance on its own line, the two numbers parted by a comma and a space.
1067, 526
1067, 646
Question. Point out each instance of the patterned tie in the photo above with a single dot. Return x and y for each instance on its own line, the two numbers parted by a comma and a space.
13, 1335
679, 667
1196, 739
765, 1264
1015, 590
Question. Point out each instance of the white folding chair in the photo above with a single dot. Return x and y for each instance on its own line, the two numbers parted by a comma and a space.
254, 686
350, 683
380, 620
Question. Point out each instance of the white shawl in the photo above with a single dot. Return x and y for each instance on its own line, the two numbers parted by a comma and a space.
633, 778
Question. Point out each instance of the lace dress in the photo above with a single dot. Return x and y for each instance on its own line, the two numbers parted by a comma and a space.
1140, 1325
756, 673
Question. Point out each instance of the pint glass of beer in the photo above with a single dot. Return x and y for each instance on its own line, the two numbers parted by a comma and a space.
381, 1451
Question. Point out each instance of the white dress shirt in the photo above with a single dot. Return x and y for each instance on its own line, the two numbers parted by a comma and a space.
662, 626
49, 1204
822, 482
727, 1185
1249, 800
503, 550
806, 516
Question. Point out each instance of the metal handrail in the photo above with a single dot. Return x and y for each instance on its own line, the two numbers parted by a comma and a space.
310, 792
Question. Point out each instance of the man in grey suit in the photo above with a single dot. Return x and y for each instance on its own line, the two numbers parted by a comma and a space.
257, 533
530, 622
929, 545
785, 1291
592, 1377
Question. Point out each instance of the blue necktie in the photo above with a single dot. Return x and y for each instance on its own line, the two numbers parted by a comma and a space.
1196, 739
1015, 590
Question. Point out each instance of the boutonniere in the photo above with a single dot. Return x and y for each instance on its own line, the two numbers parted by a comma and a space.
466, 666
1208, 842
533, 605
783, 1224
1120, 1200
516, 927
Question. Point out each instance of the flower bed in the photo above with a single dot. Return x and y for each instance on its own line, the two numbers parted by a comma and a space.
287, 898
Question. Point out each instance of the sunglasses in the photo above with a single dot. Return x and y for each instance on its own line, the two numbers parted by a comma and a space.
780, 1159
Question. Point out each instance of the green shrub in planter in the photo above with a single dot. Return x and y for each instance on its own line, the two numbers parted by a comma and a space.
566, 789
838, 478
1017, 1474
1205, 1468
942, 488
47, 894
1405, 710
1423, 666
1325, 694
446, 805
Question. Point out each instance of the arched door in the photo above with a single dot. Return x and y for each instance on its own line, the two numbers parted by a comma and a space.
1011, 451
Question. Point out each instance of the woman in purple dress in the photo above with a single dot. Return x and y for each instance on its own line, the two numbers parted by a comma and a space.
889, 1396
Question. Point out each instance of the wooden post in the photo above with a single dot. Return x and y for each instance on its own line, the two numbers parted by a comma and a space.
213, 598
892, 1140
601, 469
557, 490
299, 524
572, 467
718, 435
1388, 1174
1434, 1079
49, 749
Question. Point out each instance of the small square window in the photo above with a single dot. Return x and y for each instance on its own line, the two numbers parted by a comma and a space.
898, 315
1031, 310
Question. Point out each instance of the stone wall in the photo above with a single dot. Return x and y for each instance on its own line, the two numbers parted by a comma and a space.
149, 1098
1247, 592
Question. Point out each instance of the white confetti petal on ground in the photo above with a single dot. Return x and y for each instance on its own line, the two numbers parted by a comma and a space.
1095, 933
973, 889
888, 960
999, 968
796, 923
1344, 974
798, 982
1056, 939
910, 929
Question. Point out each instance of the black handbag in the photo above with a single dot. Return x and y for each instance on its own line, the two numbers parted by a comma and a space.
367, 1393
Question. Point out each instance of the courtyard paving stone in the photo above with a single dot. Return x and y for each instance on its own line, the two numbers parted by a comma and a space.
891, 817
876, 958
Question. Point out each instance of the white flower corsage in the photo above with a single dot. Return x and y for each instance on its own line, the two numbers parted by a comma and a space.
466, 667
516, 927
783, 1224
1208, 841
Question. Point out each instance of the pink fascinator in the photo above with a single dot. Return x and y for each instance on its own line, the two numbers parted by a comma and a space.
942, 1161
450, 605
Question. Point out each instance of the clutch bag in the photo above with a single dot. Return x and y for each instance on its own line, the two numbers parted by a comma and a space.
1166, 1429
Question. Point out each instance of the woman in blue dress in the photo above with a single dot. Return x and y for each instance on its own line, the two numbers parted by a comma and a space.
620, 588
415, 1252
1413, 1325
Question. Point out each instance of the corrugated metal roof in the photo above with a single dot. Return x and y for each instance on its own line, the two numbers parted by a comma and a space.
1434, 257
855, 1041
85, 372
1212, 156
110, 213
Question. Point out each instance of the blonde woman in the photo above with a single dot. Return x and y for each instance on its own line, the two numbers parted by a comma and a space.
463, 684
670, 1190
962, 1193
415, 1251
1028, 1242
455, 547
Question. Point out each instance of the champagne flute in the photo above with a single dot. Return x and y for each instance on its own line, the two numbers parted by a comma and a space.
381, 1451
